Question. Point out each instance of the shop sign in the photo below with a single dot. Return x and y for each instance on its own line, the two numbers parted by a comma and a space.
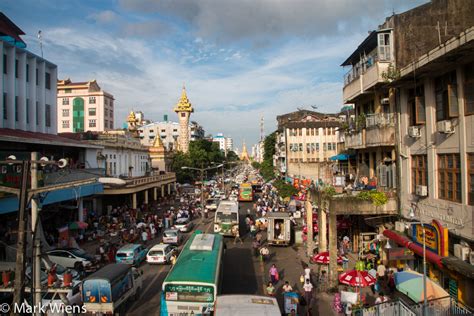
436, 237
400, 253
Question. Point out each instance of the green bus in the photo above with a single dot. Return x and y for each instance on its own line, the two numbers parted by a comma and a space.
245, 192
193, 283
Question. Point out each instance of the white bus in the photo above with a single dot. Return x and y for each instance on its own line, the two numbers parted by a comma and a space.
226, 219
248, 305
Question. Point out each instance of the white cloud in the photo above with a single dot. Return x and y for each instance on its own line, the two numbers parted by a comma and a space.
105, 17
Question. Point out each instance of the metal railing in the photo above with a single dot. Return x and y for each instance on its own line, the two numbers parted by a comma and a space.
379, 119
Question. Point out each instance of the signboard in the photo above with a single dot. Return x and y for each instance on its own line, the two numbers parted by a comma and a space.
436, 237
400, 253
189, 293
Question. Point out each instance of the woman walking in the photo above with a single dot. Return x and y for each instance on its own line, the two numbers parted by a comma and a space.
274, 276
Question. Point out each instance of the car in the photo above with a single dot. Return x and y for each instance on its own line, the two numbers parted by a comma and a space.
160, 253
211, 204
133, 254
73, 258
183, 224
172, 236
53, 303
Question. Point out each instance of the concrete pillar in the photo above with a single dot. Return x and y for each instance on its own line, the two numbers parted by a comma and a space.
322, 235
146, 196
155, 194
80, 210
169, 188
134, 200
162, 191
333, 281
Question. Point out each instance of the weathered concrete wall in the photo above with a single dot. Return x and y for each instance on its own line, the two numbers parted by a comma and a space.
416, 31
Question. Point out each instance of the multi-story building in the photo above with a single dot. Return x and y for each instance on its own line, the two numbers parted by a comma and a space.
84, 106
196, 131
29, 84
411, 82
226, 144
258, 151
305, 142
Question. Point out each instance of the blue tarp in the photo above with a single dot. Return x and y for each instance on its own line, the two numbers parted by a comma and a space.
10, 204
341, 157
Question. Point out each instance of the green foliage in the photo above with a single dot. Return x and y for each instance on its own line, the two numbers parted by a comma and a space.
360, 121
377, 198
232, 156
256, 164
285, 189
266, 170
328, 192
201, 153
269, 147
391, 74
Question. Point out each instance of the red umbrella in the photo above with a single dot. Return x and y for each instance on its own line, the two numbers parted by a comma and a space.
323, 258
357, 278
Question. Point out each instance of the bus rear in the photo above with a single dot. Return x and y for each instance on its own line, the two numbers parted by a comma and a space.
245, 192
226, 218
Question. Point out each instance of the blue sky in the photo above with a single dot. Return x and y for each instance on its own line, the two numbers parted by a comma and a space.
239, 59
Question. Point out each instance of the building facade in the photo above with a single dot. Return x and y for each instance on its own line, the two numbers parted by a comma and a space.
28, 81
84, 106
305, 142
226, 144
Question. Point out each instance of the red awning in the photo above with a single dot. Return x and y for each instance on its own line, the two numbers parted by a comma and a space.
405, 242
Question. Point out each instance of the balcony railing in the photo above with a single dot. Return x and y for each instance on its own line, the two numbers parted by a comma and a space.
70, 175
379, 120
355, 140
151, 179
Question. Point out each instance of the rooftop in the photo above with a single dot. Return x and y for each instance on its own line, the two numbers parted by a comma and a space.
19, 136
10, 32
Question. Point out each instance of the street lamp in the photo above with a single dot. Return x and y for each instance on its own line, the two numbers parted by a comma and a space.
412, 215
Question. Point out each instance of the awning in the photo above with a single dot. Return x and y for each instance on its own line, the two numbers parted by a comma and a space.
405, 242
340, 157
456, 264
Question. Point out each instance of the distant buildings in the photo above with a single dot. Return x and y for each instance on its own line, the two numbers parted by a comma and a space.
258, 151
28, 84
84, 106
226, 144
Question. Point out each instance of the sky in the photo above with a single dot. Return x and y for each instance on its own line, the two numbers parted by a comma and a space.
240, 60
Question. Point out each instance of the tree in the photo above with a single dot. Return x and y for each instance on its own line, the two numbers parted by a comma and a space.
269, 147
285, 189
232, 156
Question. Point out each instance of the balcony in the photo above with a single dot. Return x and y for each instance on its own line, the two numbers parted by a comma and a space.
359, 80
356, 140
380, 129
350, 205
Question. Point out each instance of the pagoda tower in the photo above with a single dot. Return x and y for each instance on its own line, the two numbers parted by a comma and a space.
244, 156
184, 109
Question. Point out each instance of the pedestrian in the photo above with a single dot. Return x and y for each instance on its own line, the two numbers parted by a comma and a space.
287, 287
264, 253
307, 273
270, 289
144, 237
322, 282
381, 298
381, 271
237, 237
391, 282
173, 259
308, 292
274, 276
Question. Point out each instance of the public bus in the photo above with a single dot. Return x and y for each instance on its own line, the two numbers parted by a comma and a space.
193, 283
226, 218
245, 192
249, 305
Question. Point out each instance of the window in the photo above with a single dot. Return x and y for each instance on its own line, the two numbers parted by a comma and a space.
300, 147
469, 89
47, 115
16, 68
37, 77
183, 114
329, 146
5, 70
446, 97
106, 112
67, 90
16, 108
111, 113
92, 111
65, 101
5, 106
27, 73
307, 132
37, 113
300, 131
65, 112
419, 174
317, 146
470, 179
27, 111
65, 124
91, 100
317, 132
416, 106
92, 123
308, 148
324, 147
111, 124
449, 177
106, 124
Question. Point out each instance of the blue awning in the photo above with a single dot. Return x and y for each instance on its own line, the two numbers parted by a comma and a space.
10, 204
341, 157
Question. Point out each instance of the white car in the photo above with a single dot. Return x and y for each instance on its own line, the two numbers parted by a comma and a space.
183, 224
160, 253
55, 305
172, 236
73, 258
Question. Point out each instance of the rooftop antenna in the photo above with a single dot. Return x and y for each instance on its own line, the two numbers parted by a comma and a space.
40, 38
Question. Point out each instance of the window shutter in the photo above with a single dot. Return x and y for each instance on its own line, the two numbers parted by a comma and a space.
469, 97
383, 175
453, 100
420, 115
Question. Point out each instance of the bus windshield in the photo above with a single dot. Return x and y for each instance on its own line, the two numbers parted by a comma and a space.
226, 217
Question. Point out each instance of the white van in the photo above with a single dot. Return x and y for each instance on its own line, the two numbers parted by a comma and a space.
172, 236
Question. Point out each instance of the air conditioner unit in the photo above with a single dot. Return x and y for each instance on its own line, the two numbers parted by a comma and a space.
385, 101
445, 127
421, 190
400, 227
462, 252
414, 131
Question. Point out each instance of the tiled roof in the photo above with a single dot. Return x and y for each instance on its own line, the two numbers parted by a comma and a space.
15, 135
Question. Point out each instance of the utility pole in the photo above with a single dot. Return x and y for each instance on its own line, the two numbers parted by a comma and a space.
35, 235
18, 292
309, 222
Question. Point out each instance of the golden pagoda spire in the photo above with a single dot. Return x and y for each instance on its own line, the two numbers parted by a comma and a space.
183, 104
244, 155
158, 143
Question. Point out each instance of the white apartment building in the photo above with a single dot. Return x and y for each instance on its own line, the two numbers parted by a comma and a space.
84, 106
168, 131
226, 144
28, 84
